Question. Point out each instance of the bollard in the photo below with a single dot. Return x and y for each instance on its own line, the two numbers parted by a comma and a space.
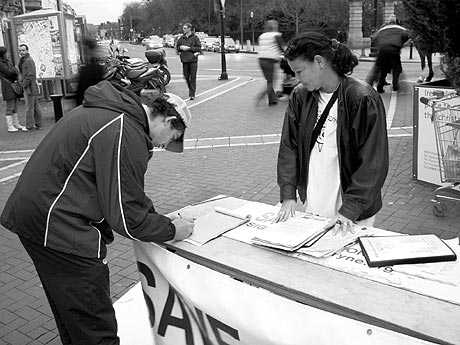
57, 106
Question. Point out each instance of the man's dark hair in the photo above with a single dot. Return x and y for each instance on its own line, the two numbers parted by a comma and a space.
24, 45
309, 44
189, 25
161, 107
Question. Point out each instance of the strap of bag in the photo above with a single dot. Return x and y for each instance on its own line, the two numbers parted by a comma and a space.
4, 78
319, 125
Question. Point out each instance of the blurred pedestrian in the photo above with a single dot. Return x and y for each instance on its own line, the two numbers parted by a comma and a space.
84, 181
189, 47
333, 152
92, 71
114, 49
388, 41
270, 52
28, 78
9, 74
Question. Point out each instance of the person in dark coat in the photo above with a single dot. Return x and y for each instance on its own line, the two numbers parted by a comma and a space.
9, 74
84, 181
28, 77
389, 41
91, 72
189, 47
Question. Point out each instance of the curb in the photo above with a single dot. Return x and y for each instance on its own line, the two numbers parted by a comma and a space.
372, 59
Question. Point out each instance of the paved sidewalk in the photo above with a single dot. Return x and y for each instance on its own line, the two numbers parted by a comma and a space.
219, 162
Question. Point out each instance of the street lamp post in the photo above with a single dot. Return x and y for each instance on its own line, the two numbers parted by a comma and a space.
251, 15
241, 25
223, 75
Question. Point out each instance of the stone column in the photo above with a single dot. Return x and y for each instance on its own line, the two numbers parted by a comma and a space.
389, 11
355, 28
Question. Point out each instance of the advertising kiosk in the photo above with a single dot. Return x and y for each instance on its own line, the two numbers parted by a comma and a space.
50, 36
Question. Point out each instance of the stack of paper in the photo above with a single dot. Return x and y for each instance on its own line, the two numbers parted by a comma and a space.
214, 223
331, 243
293, 233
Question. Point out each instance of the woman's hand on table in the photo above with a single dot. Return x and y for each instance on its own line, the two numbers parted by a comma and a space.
287, 210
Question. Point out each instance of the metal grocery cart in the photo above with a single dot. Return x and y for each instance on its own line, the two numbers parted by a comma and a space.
446, 121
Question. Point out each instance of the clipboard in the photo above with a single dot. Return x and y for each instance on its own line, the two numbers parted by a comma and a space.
404, 249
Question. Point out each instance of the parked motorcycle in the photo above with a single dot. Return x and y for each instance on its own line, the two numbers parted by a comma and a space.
136, 74
157, 58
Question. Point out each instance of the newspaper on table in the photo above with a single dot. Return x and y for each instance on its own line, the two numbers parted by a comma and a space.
304, 233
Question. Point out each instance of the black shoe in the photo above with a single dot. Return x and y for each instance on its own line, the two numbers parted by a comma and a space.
192, 98
380, 90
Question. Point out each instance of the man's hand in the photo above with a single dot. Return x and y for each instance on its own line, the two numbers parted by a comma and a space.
287, 210
184, 228
184, 47
342, 225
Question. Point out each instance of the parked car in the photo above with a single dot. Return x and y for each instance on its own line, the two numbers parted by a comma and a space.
229, 45
207, 43
168, 41
153, 42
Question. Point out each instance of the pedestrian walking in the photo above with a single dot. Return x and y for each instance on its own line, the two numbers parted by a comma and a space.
84, 181
113, 49
333, 153
270, 51
8, 75
388, 41
189, 47
28, 78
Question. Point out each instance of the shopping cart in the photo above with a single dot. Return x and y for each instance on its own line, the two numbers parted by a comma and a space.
446, 121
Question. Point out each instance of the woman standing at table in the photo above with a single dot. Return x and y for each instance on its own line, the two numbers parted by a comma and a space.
333, 153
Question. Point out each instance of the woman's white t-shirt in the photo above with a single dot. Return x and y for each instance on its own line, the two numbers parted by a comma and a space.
323, 189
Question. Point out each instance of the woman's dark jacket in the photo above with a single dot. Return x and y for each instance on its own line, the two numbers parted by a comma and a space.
10, 73
361, 140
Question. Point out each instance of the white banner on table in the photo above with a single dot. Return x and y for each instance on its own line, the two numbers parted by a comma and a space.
191, 304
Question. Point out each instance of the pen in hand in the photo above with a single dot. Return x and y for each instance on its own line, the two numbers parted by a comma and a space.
188, 219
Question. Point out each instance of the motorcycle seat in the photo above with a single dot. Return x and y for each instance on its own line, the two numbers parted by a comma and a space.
136, 63
133, 73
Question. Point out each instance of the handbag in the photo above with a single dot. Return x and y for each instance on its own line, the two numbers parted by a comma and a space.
15, 85
17, 88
